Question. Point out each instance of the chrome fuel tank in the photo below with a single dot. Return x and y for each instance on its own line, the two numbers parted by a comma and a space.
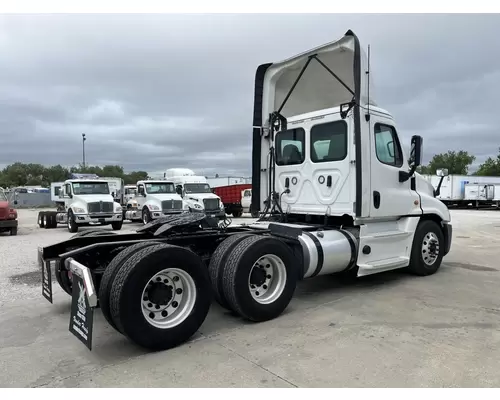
328, 251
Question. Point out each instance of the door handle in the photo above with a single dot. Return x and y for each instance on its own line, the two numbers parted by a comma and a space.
376, 199
329, 181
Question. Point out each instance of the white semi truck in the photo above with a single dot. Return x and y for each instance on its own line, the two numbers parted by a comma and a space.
82, 202
154, 199
353, 207
196, 192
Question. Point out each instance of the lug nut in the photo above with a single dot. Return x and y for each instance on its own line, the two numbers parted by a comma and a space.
257, 293
145, 298
268, 276
165, 281
157, 307
178, 291
176, 278
268, 266
164, 313
151, 315
150, 305
253, 286
264, 287
158, 279
175, 304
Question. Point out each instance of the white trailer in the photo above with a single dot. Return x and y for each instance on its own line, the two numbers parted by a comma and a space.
227, 181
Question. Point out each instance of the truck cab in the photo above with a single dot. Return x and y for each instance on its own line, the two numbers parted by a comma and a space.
8, 215
324, 152
196, 192
85, 202
130, 192
246, 200
154, 199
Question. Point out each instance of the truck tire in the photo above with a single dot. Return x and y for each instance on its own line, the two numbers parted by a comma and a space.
217, 263
160, 296
72, 225
237, 213
13, 231
146, 216
427, 249
109, 276
50, 218
117, 225
260, 278
41, 219
254, 213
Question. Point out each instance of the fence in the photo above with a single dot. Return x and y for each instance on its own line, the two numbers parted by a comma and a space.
29, 200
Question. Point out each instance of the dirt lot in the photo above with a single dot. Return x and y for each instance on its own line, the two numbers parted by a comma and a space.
390, 330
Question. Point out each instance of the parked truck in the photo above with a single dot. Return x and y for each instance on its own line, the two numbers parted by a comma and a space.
8, 215
353, 207
154, 199
82, 202
231, 196
196, 192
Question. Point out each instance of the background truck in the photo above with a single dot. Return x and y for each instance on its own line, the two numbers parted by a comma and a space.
154, 199
130, 191
231, 196
354, 207
8, 215
196, 192
83, 202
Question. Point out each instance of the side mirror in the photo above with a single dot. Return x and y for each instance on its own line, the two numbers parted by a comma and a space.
415, 158
416, 151
178, 190
442, 172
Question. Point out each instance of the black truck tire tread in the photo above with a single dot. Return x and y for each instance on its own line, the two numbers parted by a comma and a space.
41, 219
93, 232
109, 275
235, 279
135, 272
417, 265
217, 263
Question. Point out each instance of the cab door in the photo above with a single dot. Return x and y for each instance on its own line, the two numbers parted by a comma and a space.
389, 196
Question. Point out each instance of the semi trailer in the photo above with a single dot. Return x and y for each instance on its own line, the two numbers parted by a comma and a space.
231, 196
350, 205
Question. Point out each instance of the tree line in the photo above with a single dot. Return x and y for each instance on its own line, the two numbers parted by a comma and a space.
21, 174
459, 162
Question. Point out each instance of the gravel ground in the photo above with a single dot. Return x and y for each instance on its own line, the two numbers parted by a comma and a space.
19, 273
387, 330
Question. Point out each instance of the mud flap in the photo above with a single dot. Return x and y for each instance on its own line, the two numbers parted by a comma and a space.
82, 314
46, 276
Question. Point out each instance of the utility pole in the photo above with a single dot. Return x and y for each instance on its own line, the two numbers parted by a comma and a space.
83, 144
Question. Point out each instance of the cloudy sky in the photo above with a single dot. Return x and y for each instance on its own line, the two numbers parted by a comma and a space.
158, 91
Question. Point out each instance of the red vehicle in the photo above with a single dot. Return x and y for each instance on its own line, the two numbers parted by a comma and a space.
231, 197
8, 215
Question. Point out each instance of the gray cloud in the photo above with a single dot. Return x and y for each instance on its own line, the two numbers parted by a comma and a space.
159, 91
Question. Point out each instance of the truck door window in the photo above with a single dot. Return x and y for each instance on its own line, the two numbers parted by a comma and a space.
387, 147
290, 147
329, 142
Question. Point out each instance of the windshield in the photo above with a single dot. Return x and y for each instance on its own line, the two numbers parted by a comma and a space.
160, 188
2, 196
197, 188
90, 188
130, 191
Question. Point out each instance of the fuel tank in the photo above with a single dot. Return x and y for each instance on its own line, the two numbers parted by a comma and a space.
328, 251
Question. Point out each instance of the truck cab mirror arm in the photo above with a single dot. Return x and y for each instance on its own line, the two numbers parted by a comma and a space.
415, 158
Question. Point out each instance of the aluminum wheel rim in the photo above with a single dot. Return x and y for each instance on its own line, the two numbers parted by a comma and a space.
270, 288
178, 307
430, 248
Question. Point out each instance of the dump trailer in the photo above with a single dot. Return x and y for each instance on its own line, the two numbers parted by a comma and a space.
8, 215
348, 203
231, 197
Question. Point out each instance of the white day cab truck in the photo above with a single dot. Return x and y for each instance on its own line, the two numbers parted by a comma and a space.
154, 199
196, 192
83, 202
336, 192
